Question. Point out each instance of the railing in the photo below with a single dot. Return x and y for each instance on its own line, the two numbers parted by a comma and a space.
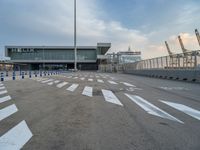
190, 60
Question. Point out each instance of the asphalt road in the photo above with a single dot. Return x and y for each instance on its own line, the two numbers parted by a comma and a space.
98, 111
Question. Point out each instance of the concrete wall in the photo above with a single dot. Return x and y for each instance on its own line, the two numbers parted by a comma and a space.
186, 75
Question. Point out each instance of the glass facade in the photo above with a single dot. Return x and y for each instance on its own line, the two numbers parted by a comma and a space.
51, 54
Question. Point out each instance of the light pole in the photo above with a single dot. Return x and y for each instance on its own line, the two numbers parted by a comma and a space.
75, 47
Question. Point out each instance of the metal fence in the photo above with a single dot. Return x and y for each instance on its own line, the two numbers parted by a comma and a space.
189, 60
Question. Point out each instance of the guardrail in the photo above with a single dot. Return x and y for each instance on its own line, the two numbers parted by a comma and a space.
183, 66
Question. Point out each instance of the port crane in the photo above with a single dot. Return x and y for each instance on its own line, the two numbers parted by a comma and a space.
198, 36
173, 57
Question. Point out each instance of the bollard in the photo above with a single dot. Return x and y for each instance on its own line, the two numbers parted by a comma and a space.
22, 75
40, 73
13, 75
48, 73
2, 78
35, 74
6, 73
29, 74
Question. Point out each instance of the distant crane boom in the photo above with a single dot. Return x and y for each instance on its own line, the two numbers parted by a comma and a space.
198, 36
182, 46
168, 49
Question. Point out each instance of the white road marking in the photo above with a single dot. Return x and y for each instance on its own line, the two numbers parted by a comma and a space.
75, 78
50, 83
7, 111
3, 92
90, 80
128, 84
82, 79
150, 108
185, 109
3, 87
69, 77
47, 81
1, 84
16, 137
60, 85
5, 98
110, 97
100, 81
112, 82
87, 91
72, 87
57, 81
97, 76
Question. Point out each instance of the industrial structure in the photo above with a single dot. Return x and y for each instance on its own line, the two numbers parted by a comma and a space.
56, 57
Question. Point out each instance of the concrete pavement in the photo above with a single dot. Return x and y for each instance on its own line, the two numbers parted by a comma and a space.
95, 111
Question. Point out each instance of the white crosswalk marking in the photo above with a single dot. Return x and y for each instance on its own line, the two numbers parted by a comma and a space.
1, 84
3, 87
45, 81
185, 109
7, 111
50, 83
110, 97
60, 85
87, 91
150, 108
57, 81
3, 92
5, 98
100, 81
112, 82
72, 87
90, 80
128, 84
82, 79
75, 78
16, 137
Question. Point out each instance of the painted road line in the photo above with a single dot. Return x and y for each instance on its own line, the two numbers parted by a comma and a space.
75, 78
1, 84
90, 80
60, 85
57, 81
47, 81
110, 97
50, 83
7, 111
150, 108
128, 84
185, 109
3, 87
3, 92
69, 77
112, 82
16, 137
72, 87
82, 79
5, 98
87, 91
97, 76
100, 81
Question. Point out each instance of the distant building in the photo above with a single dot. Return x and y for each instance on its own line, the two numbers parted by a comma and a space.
56, 57
124, 57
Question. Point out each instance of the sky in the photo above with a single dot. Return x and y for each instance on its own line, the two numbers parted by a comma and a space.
143, 25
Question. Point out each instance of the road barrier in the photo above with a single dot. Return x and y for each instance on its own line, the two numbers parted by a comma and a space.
184, 66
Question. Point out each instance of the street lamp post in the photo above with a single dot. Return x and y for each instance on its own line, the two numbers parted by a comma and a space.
75, 47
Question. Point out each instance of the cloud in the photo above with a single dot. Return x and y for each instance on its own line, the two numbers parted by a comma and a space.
36, 22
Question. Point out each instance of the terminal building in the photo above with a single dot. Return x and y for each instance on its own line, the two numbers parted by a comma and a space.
56, 57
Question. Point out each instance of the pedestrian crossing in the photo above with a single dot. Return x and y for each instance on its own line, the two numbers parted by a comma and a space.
20, 134
110, 97
72, 87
